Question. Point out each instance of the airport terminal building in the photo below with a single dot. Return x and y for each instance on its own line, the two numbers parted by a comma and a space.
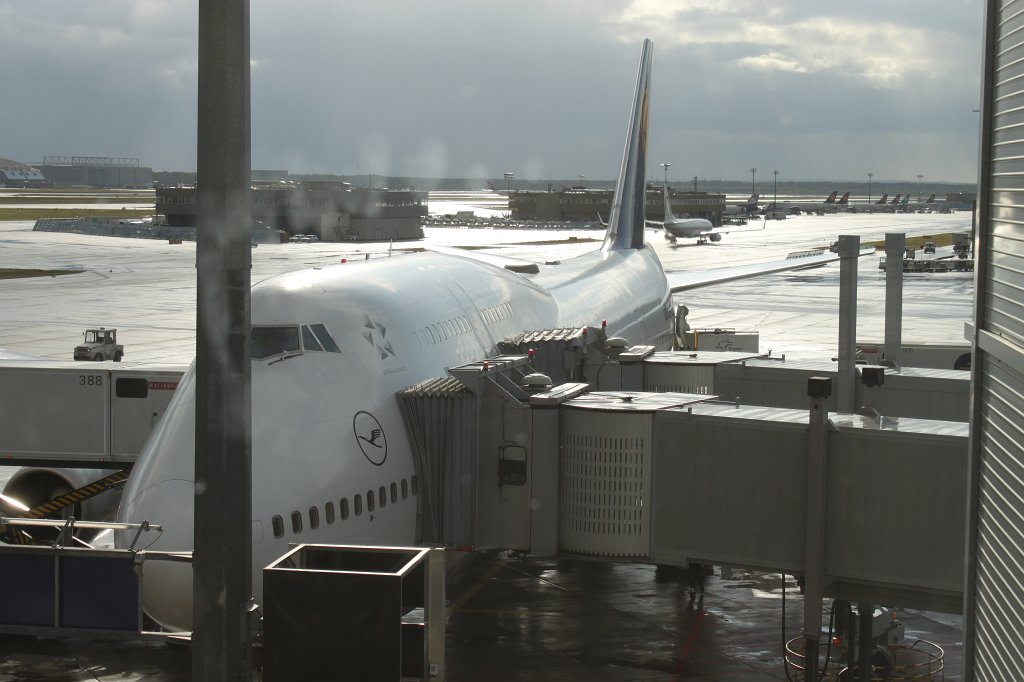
581, 203
333, 211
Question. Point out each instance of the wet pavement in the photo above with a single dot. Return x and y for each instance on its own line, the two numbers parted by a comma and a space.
576, 619
548, 619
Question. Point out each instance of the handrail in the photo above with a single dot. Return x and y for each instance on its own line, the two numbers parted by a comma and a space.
98, 525
929, 663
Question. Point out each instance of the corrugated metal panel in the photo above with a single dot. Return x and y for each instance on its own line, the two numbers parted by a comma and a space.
994, 584
605, 483
999, 598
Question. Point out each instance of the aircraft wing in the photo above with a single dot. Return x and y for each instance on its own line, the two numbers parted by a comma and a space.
727, 230
513, 264
684, 281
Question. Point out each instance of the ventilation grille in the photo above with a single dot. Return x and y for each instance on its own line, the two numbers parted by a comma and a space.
666, 378
605, 483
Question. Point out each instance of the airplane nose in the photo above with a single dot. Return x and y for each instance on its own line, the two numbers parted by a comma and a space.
167, 585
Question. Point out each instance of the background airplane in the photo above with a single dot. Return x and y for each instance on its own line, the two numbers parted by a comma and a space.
746, 208
879, 206
691, 228
907, 206
827, 205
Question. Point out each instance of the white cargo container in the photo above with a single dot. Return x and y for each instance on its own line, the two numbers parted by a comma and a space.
80, 414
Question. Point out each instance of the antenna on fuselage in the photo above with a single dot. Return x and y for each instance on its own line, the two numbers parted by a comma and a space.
626, 221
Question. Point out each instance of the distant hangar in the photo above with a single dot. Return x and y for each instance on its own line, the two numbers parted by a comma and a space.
101, 172
333, 211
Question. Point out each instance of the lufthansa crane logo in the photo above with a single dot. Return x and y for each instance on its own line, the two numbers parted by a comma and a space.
370, 437
376, 334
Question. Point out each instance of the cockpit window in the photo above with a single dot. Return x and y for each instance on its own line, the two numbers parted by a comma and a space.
325, 339
309, 341
270, 341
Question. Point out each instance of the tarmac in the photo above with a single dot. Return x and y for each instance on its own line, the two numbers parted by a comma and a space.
530, 618
509, 618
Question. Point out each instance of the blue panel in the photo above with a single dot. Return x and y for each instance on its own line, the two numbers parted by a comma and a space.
28, 596
99, 593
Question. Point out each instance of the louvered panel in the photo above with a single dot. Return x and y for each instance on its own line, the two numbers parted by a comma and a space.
605, 483
999, 583
696, 379
995, 648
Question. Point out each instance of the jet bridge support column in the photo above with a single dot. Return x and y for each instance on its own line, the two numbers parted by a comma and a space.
846, 377
818, 389
895, 247
865, 641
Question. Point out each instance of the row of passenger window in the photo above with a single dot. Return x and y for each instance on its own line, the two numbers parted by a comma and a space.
497, 313
442, 331
267, 342
394, 492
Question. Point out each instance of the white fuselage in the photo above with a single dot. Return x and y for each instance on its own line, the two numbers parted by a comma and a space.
685, 228
327, 434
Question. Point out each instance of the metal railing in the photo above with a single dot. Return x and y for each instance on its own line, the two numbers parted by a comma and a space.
922, 660
67, 587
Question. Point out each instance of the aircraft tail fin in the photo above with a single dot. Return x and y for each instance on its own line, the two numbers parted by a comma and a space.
626, 221
831, 199
896, 199
884, 198
930, 199
668, 204
752, 201
845, 199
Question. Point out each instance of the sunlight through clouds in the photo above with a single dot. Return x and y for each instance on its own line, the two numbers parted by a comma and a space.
884, 53
772, 61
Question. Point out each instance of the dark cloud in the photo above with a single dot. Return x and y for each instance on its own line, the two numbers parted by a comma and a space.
825, 90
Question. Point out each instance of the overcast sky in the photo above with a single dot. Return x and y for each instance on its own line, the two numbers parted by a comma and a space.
822, 90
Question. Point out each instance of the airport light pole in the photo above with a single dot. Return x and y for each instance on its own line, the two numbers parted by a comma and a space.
919, 179
870, 175
581, 176
753, 171
776, 199
666, 166
508, 189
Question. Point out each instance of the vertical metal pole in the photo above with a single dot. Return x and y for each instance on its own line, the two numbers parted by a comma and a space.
818, 389
865, 615
221, 647
846, 377
981, 234
895, 247
435, 616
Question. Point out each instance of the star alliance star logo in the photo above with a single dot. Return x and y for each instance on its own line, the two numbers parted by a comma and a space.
376, 335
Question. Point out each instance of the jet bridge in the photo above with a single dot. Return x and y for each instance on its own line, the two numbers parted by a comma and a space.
677, 478
607, 364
